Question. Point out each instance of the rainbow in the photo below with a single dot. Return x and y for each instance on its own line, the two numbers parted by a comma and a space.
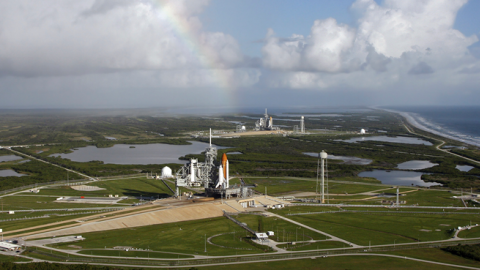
165, 11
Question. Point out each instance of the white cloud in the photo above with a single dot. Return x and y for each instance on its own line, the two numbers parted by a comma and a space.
322, 50
398, 38
64, 37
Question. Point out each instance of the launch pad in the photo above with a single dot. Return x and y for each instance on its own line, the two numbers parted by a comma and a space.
211, 174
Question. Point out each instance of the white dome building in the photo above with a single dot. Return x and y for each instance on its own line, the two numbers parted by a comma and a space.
362, 131
166, 172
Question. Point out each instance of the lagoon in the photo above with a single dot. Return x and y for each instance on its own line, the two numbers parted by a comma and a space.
397, 139
415, 165
464, 168
400, 178
9, 158
143, 154
4, 173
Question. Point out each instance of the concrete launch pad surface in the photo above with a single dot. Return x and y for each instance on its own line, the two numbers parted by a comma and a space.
190, 212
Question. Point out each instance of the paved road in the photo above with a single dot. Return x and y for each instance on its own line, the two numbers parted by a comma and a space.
271, 260
41, 160
315, 230
440, 145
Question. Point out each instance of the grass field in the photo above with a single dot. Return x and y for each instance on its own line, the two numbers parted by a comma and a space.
313, 246
134, 253
285, 186
362, 228
133, 187
337, 263
472, 233
284, 230
437, 255
183, 237
5, 258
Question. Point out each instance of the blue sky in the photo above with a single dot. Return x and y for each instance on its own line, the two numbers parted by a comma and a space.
230, 53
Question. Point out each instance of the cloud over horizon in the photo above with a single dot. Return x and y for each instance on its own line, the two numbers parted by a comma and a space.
398, 38
53, 46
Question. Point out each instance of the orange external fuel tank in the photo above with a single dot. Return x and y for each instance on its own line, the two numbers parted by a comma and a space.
224, 164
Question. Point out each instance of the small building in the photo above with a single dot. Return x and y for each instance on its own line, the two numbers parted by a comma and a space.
270, 233
261, 236
5, 246
362, 131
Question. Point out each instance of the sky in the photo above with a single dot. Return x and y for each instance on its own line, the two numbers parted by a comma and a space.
238, 53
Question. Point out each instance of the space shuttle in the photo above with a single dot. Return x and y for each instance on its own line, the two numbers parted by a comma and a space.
223, 175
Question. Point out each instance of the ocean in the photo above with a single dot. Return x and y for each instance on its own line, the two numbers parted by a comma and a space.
454, 122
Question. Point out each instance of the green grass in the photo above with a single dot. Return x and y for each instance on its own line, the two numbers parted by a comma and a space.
360, 228
435, 254
134, 187
336, 263
284, 230
183, 237
314, 246
36, 202
432, 198
472, 233
233, 239
285, 186
134, 253
5, 258
21, 224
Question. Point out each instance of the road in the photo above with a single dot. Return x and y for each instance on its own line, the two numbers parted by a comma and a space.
41, 160
440, 145
315, 230
269, 260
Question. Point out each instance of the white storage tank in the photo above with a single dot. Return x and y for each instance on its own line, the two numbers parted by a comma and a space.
362, 131
166, 172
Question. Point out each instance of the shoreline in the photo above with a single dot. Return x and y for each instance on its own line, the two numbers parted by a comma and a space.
413, 121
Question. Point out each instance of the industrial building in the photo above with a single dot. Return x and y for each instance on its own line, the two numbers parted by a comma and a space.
211, 174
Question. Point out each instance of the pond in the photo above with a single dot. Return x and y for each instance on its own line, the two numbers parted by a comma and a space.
416, 165
464, 168
400, 178
9, 158
397, 139
157, 153
346, 159
4, 173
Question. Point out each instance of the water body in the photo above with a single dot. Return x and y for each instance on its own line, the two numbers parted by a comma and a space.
460, 123
464, 168
399, 178
157, 153
346, 159
4, 173
416, 165
234, 153
110, 138
9, 158
397, 139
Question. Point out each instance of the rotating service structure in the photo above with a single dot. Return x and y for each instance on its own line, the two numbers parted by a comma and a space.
212, 175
